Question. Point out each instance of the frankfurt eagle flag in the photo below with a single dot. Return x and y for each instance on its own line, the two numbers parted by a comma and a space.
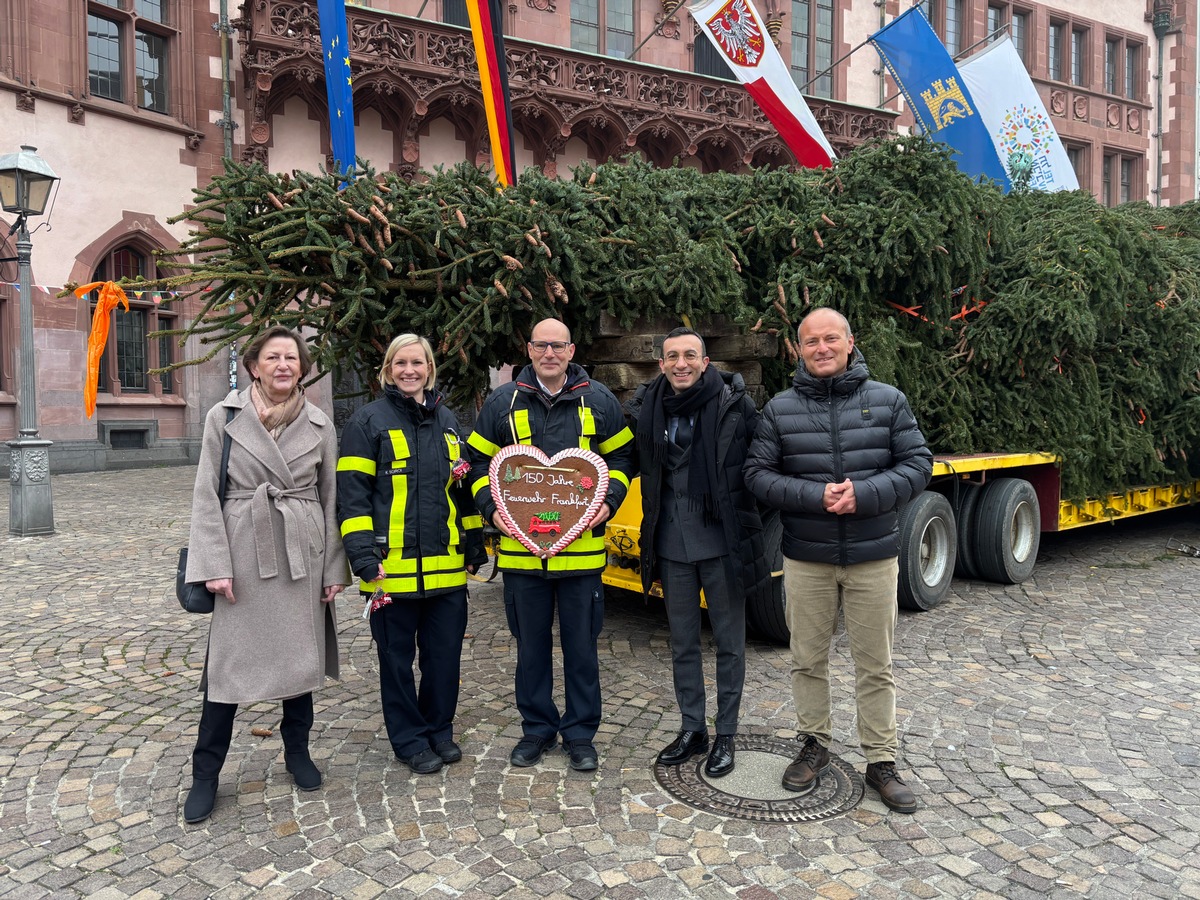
737, 31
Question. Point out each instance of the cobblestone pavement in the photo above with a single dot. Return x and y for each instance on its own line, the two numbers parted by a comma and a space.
1049, 728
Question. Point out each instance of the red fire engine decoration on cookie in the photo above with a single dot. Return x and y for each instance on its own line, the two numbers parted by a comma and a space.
546, 502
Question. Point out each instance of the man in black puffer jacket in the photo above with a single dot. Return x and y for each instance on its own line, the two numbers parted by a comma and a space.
838, 455
700, 529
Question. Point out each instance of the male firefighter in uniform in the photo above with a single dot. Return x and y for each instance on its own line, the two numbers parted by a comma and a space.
553, 405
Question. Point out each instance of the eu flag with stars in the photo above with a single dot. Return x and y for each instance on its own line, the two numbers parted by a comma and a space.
937, 94
335, 45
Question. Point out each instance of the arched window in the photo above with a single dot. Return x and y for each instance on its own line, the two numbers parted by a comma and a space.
130, 353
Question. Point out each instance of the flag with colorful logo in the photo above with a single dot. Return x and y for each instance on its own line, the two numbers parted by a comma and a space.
937, 95
487, 29
335, 45
1021, 130
737, 30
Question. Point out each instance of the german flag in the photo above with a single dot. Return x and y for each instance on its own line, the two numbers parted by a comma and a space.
487, 28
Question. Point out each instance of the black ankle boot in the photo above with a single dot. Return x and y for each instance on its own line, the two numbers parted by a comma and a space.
297, 722
200, 800
306, 775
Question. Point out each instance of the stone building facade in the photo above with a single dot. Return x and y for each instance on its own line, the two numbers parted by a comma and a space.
134, 103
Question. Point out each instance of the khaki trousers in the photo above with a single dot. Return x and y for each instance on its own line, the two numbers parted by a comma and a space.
866, 594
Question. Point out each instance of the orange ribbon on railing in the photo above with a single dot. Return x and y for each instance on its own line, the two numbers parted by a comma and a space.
110, 295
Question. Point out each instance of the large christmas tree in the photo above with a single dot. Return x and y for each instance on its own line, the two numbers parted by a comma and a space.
1020, 322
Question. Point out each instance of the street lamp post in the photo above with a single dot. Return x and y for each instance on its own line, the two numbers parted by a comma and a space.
25, 182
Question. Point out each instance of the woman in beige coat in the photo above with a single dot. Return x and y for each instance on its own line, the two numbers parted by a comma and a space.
273, 556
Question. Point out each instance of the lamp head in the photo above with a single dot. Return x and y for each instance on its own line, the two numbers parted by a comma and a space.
25, 182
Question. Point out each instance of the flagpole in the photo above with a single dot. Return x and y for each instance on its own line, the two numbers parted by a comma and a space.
829, 68
846, 56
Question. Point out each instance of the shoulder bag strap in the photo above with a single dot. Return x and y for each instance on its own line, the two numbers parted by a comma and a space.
225, 457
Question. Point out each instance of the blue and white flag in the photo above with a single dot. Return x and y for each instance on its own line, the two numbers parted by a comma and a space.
1020, 128
937, 95
335, 48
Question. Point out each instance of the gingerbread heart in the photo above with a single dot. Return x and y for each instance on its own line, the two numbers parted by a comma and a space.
547, 501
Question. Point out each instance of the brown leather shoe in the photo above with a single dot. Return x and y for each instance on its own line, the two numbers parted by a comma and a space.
894, 793
807, 768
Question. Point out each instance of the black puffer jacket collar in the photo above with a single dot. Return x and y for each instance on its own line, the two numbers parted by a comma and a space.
844, 383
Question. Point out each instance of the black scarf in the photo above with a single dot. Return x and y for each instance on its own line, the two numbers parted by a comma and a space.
659, 405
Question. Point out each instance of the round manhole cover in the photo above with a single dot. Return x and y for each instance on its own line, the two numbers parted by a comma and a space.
754, 789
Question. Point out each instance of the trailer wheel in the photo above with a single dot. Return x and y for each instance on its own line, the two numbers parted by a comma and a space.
1008, 529
927, 551
765, 611
964, 518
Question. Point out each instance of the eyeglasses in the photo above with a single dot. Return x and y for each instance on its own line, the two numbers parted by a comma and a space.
690, 356
543, 346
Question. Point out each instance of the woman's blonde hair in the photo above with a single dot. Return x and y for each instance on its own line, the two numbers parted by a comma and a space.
404, 340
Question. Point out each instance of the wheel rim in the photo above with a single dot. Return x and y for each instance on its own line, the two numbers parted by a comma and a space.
1022, 532
935, 551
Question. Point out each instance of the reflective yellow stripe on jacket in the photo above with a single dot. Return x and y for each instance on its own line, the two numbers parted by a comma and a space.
519, 423
400, 572
584, 554
396, 514
455, 451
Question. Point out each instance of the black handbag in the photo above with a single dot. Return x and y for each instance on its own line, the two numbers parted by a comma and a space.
193, 596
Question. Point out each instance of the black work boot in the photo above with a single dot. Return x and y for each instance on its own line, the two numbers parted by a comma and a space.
297, 723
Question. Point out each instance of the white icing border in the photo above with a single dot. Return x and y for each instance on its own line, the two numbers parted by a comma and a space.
575, 530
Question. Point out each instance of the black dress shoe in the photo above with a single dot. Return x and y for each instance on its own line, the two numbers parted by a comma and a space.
720, 760
449, 751
200, 800
684, 747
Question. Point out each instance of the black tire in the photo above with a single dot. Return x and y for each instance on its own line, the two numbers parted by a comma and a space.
964, 519
928, 542
1008, 530
765, 611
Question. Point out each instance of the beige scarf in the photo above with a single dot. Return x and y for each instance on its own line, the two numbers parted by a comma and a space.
276, 416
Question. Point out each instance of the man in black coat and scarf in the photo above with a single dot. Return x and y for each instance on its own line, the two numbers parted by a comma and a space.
700, 529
